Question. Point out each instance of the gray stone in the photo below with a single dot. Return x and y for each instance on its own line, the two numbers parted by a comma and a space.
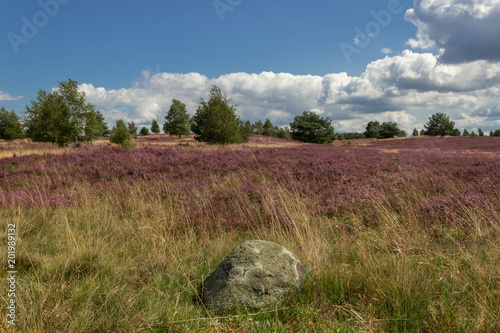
255, 273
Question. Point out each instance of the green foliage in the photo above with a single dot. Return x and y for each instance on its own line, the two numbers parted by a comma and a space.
455, 132
144, 131
63, 116
439, 124
10, 126
177, 120
310, 127
373, 129
155, 127
284, 133
496, 133
268, 128
246, 130
465, 132
353, 135
258, 127
415, 132
120, 135
385, 131
390, 130
215, 120
132, 129
480, 132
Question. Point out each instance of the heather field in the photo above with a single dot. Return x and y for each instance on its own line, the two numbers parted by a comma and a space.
397, 235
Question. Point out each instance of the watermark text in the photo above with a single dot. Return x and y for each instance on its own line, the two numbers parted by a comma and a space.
223, 6
30, 27
11, 273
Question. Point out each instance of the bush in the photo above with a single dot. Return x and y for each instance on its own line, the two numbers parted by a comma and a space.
121, 135
144, 131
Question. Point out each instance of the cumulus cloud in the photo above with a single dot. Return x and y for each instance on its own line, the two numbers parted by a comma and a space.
5, 96
464, 79
465, 30
388, 90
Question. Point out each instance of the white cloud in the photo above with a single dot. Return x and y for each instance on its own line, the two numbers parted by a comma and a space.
405, 121
465, 30
387, 90
5, 96
386, 50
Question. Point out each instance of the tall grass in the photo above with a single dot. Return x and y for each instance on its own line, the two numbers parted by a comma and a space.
416, 252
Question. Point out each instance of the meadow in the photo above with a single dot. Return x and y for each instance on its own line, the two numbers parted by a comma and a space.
397, 235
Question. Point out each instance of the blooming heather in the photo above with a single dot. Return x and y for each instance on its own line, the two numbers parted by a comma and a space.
439, 179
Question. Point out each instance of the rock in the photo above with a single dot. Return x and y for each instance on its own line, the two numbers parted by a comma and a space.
255, 273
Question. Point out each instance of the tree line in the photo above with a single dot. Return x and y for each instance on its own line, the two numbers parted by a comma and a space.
440, 124
64, 116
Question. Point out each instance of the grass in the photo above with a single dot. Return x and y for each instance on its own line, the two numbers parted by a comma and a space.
130, 257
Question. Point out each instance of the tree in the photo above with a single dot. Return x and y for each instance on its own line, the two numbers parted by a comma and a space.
258, 127
246, 130
497, 132
10, 126
276, 130
354, 135
284, 133
310, 127
268, 128
177, 120
144, 131
120, 135
390, 130
373, 129
466, 132
439, 124
95, 126
480, 132
455, 132
155, 127
63, 116
415, 132
215, 120
132, 128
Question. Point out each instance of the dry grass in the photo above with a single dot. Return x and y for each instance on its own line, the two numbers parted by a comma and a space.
131, 262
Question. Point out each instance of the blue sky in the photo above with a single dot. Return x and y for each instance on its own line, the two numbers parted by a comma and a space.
353, 61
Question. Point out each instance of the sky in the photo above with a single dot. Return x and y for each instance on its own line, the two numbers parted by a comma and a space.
352, 61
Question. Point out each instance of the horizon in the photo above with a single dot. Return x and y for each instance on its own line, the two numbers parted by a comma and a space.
353, 62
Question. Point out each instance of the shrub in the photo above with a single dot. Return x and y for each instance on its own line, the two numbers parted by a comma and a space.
121, 135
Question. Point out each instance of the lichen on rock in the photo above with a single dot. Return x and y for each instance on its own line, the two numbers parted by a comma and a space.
254, 273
